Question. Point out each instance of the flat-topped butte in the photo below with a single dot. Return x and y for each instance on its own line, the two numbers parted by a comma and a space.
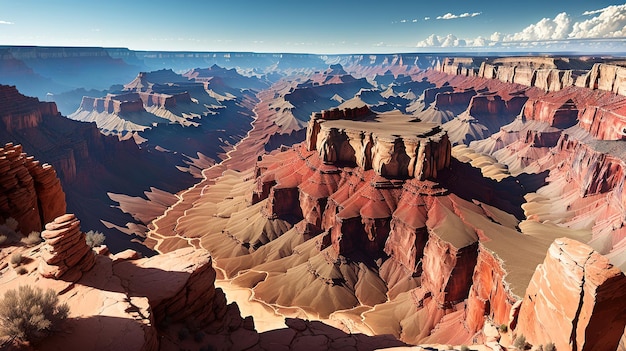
393, 144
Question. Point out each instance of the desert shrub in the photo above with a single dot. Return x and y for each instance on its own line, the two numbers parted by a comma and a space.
33, 238
16, 259
29, 313
21, 270
8, 235
465, 348
503, 328
520, 342
11, 223
549, 347
94, 239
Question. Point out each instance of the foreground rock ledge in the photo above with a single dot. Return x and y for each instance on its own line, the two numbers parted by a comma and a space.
584, 311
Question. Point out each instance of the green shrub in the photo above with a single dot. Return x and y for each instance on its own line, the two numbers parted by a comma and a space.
33, 238
550, 347
21, 270
465, 348
94, 239
30, 314
16, 259
503, 328
520, 342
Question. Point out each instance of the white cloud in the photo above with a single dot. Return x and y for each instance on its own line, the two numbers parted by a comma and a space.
449, 15
496, 36
6, 22
414, 21
587, 13
426, 18
432, 40
546, 29
448, 41
609, 22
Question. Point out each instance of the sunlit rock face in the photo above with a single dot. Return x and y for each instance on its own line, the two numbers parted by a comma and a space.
578, 312
30, 192
387, 148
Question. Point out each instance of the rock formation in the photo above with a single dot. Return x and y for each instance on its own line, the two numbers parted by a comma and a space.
578, 313
389, 151
65, 254
30, 192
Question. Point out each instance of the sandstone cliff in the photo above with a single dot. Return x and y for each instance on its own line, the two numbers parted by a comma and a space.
30, 192
575, 314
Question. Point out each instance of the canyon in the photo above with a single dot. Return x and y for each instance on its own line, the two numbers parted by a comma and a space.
370, 202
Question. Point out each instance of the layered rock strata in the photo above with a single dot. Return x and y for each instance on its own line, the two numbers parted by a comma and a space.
579, 312
29, 192
20, 112
65, 254
388, 149
132, 102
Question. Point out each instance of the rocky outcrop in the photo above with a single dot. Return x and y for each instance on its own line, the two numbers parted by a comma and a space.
189, 296
464, 66
20, 112
29, 192
126, 103
132, 102
578, 313
449, 257
65, 254
391, 151
546, 73
603, 76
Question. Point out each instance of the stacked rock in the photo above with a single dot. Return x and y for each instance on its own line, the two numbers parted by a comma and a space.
49, 190
65, 254
18, 198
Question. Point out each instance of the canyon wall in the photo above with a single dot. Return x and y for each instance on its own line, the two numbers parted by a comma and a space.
30, 192
132, 102
466, 261
579, 312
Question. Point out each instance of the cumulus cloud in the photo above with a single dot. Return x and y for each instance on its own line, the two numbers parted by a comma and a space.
6, 22
558, 28
609, 22
426, 18
449, 15
593, 12
448, 41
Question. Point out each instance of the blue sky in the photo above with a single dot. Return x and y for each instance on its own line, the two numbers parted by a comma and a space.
323, 26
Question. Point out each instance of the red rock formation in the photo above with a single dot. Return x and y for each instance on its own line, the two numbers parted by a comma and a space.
546, 73
606, 77
392, 153
189, 295
133, 102
20, 112
31, 193
65, 254
578, 313
115, 104
449, 257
